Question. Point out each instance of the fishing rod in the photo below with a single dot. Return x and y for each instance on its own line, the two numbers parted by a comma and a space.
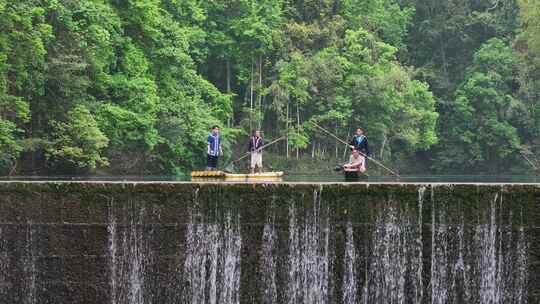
262, 147
340, 140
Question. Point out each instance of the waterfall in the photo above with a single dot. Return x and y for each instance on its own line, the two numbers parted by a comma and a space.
232, 248
501, 259
268, 265
461, 278
355, 244
112, 252
488, 262
308, 276
134, 247
29, 266
129, 255
484, 262
195, 263
386, 283
485, 265
418, 259
521, 271
5, 285
394, 271
439, 254
214, 246
293, 282
212, 263
349, 268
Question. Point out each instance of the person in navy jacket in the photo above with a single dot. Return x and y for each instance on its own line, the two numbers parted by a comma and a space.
214, 149
360, 143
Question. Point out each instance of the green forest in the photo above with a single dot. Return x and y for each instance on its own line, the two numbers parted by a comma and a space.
133, 86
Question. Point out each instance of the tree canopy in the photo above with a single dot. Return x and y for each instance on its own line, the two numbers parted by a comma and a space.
132, 87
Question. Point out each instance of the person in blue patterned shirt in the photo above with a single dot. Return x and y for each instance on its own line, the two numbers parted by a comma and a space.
214, 149
360, 142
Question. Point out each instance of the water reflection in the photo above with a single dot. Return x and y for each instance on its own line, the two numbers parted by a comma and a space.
293, 178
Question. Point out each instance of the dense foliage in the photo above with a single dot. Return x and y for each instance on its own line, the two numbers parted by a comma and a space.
133, 86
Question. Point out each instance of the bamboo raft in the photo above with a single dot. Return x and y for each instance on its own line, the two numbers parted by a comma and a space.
207, 174
354, 175
237, 177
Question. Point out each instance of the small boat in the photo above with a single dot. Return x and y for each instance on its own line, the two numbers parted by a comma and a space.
270, 176
354, 175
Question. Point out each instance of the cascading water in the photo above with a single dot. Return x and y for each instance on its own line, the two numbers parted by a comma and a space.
350, 245
29, 266
439, 254
212, 263
112, 252
520, 272
418, 258
268, 265
488, 262
309, 273
230, 269
4, 266
460, 285
500, 259
129, 254
350, 282
393, 263
484, 265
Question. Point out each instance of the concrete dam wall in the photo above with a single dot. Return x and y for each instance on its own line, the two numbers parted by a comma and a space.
164, 243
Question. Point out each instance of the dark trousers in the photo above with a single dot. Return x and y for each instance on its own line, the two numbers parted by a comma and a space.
212, 161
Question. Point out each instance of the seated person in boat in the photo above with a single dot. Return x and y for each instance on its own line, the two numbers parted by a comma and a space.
255, 143
214, 149
357, 162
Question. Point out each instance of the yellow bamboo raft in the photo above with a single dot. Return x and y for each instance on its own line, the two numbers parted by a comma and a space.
207, 174
255, 176
232, 176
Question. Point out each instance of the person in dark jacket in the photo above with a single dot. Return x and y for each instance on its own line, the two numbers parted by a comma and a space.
255, 143
214, 149
360, 142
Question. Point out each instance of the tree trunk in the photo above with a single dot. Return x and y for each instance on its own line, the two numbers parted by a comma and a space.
14, 168
297, 127
337, 142
251, 99
228, 76
287, 130
260, 92
383, 146
228, 67
347, 140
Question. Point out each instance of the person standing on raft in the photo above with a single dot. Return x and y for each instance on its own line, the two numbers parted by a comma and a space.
360, 152
255, 143
360, 143
214, 149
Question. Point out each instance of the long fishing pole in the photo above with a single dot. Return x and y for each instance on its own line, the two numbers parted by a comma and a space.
339, 139
262, 147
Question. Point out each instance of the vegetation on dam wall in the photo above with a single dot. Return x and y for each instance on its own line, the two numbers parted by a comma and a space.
144, 242
44, 201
